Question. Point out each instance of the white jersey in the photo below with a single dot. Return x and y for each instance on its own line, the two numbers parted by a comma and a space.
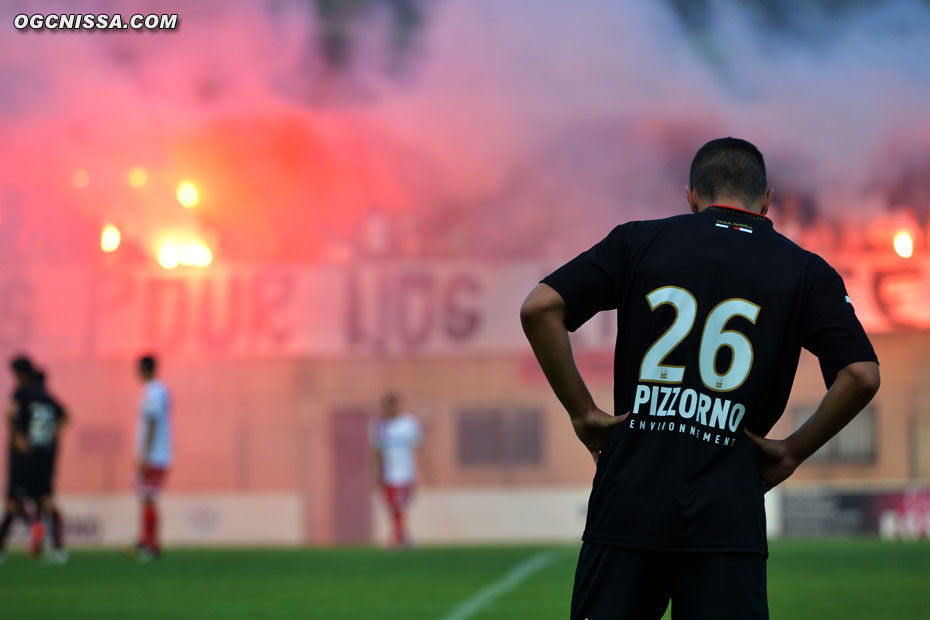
397, 439
155, 406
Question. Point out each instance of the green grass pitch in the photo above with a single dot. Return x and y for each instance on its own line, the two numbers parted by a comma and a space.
842, 580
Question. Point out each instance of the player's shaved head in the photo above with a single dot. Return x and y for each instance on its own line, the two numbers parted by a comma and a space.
147, 366
22, 366
390, 402
24, 371
729, 167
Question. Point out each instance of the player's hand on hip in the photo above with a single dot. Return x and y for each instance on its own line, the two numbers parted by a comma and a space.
592, 428
777, 462
20, 443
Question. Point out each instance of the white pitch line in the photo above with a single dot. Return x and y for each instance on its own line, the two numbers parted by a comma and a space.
517, 575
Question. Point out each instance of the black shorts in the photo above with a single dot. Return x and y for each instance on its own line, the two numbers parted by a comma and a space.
614, 583
41, 466
41, 472
31, 475
17, 482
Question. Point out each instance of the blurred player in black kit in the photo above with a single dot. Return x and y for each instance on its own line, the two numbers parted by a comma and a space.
35, 422
47, 458
16, 492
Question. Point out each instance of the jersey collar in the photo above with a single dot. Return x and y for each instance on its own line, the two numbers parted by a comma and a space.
729, 211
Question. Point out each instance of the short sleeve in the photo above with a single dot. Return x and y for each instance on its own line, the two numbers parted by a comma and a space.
153, 407
832, 331
589, 282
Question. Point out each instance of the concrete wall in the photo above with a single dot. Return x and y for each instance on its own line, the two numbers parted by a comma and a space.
246, 427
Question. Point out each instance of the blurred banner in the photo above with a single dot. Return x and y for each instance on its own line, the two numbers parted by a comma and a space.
842, 512
396, 308
193, 518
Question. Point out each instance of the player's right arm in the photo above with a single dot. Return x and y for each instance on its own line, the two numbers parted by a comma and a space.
853, 389
849, 366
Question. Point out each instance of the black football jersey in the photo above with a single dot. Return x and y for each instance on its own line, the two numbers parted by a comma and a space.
713, 309
38, 416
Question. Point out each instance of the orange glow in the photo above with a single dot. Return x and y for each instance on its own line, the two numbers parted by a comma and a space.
80, 179
188, 195
169, 256
196, 255
110, 238
903, 244
137, 177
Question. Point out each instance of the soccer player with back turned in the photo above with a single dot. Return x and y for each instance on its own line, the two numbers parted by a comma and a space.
713, 308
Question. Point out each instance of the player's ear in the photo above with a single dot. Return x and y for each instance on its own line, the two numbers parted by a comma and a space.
692, 199
767, 201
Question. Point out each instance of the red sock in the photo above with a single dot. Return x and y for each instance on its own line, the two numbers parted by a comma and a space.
58, 530
38, 534
150, 525
399, 529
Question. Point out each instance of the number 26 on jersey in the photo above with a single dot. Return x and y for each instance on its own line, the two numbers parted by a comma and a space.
714, 337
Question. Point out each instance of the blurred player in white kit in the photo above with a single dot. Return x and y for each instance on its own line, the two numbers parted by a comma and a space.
153, 452
395, 438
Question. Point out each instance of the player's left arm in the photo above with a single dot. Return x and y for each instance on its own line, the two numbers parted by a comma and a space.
543, 318
564, 301
20, 439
